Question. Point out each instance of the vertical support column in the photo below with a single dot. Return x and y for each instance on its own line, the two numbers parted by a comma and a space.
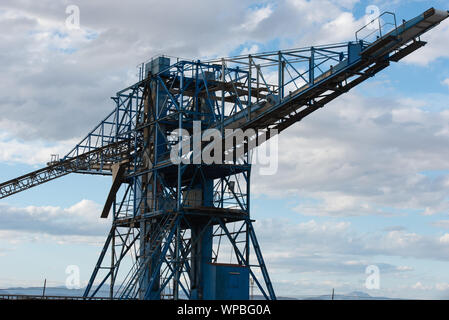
312, 66
281, 75
258, 83
201, 283
261, 262
176, 265
250, 63
156, 144
140, 192
380, 27
149, 184
178, 200
202, 280
223, 79
181, 89
113, 271
248, 197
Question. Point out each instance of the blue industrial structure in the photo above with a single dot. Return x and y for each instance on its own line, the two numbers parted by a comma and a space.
183, 229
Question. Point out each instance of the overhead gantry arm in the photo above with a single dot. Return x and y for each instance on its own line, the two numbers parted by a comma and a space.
97, 159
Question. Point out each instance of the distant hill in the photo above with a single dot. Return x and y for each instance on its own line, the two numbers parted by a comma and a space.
50, 291
260, 297
63, 291
355, 295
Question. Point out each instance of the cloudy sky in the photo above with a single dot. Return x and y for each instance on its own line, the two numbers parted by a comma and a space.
361, 182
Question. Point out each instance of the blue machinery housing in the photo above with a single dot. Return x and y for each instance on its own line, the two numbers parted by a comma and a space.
183, 230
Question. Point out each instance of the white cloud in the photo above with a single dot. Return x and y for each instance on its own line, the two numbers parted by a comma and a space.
253, 49
435, 48
446, 82
356, 263
361, 156
442, 286
255, 17
309, 241
31, 151
441, 224
341, 28
404, 268
444, 238
302, 256
15, 238
75, 222
64, 78
420, 286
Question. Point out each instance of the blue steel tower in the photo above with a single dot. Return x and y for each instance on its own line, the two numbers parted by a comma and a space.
181, 213
182, 229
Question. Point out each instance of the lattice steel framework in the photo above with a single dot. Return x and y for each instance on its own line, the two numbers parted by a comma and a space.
177, 225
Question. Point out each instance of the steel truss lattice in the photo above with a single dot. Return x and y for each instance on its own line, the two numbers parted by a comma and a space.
180, 227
